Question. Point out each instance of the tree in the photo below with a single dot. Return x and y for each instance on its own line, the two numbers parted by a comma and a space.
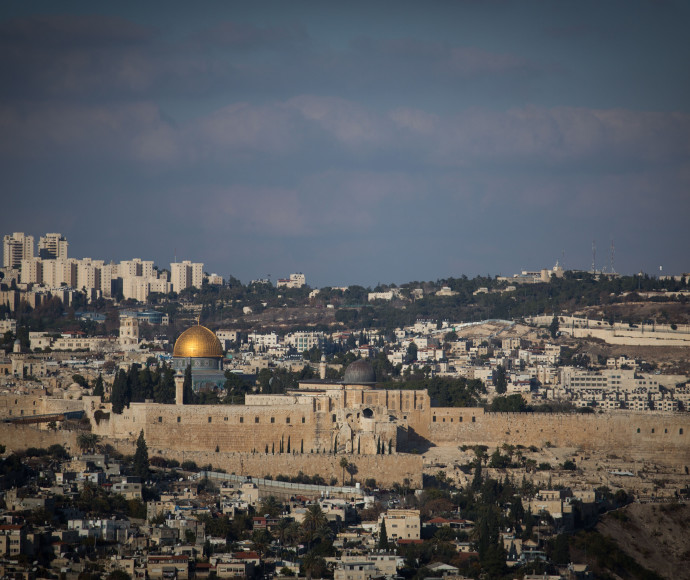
314, 523
141, 458
87, 441
119, 396
383, 536
98, 389
411, 354
554, 326
500, 380
314, 565
81, 381
343, 463
187, 390
270, 506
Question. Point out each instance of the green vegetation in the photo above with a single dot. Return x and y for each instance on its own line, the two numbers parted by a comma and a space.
141, 458
138, 384
444, 391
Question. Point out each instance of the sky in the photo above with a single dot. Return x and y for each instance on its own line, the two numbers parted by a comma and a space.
356, 142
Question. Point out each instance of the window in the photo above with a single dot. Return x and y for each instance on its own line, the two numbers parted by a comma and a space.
434, 419
256, 419
209, 419
680, 431
225, 419
333, 417
652, 429
302, 419
287, 419
474, 419
459, 419
160, 419
241, 419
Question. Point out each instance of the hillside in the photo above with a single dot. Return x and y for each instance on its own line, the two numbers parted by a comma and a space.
654, 537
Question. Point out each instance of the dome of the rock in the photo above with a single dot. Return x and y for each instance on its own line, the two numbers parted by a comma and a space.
198, 342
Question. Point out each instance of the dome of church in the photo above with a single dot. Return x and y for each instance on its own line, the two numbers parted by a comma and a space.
198, 342
358, 372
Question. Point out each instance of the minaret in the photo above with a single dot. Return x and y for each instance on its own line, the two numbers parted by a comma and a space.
322, 367
179, 388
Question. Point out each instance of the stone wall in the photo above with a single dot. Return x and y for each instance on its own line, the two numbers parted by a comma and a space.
663, 437
19, 437
228, 428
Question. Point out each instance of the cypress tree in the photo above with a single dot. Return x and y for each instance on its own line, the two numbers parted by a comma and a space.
141, 458
288, 447
383, 536
133, 384
118, 394
98, 390
187, 390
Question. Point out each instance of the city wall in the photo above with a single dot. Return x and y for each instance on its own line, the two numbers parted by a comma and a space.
632, 337
226, 428
20, 437
662, 437
385, 469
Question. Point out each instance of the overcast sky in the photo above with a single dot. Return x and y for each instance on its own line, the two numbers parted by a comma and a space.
356, 142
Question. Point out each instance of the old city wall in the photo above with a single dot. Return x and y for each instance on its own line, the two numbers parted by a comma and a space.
385, 469
12, 406
662, 437
19, 437
633, 337
226, 428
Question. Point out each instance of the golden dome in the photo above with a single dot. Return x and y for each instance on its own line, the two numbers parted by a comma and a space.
198, 342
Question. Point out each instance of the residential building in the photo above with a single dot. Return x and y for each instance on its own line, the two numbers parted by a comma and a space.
52, 247
186, 274
15, 248
294, 281
401, 524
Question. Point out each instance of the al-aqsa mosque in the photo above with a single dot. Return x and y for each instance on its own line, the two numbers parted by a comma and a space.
199, 347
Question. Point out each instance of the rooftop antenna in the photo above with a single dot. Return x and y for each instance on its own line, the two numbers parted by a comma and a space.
594, 256
613, 255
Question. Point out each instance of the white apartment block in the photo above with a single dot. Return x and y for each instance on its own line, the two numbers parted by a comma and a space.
294, 281
31, 271
613, 379
136, 268
15, 248
89, 274
402, 524
186, 274
52, 247
263, 340
58, 273
226, 336
304, 340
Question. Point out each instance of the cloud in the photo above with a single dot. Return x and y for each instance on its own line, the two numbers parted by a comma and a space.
242, 35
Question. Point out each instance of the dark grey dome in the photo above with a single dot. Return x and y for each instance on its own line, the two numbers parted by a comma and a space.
359, 372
